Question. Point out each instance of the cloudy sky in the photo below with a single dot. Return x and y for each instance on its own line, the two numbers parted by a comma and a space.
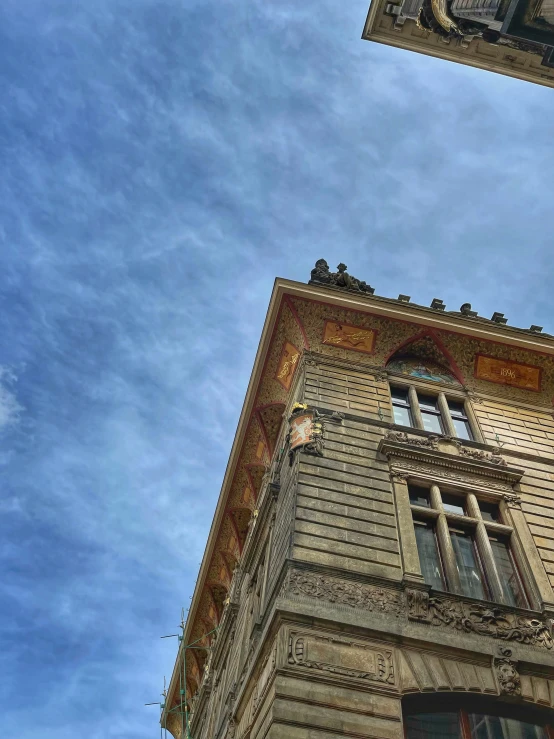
162, 162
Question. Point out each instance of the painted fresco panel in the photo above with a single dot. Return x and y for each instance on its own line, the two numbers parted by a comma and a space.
505, 372
287, 365
354, 338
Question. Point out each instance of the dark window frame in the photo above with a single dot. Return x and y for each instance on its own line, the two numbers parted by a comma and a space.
464, 723
467, 526
443, 412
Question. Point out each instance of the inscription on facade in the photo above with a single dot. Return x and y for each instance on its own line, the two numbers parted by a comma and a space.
505, 372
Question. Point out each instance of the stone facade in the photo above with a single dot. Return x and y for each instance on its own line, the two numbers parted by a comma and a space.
474, 37
324, 623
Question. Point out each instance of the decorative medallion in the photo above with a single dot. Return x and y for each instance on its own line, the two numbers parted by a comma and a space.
287, 365
355, 338
301, 429
505, 372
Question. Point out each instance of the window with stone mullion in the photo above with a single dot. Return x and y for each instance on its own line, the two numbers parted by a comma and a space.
465, 553
435, 413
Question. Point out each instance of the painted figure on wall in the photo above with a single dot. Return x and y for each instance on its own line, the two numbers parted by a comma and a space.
423, 369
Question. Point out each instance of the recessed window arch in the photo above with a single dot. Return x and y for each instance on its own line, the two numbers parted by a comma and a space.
445, 716
422, 369
417, 404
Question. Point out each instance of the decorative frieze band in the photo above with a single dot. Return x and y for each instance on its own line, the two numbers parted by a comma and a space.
478, 618
445, 458
417, 605
344, 592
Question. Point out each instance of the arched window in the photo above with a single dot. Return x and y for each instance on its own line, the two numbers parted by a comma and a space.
474, 717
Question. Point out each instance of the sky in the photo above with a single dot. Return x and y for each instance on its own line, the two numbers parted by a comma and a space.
162, 161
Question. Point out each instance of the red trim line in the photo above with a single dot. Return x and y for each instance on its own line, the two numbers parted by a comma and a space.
288, 301
259, 419
250, 478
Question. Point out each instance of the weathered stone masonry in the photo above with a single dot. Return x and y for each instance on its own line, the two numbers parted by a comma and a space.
326, 622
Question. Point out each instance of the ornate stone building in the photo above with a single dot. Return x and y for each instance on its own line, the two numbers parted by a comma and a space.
513, 37
381, 560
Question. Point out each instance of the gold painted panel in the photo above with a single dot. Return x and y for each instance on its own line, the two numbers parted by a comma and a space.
506, 372
354, 338
287, 365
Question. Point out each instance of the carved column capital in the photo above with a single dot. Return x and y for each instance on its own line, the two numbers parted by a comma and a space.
398, 477
514, 501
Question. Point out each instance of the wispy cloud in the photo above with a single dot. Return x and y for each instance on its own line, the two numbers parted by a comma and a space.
163, 162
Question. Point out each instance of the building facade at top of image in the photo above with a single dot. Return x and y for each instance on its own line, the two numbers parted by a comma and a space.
381, 559
513, 37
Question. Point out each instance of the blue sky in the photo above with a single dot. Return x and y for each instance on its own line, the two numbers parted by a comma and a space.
162, 162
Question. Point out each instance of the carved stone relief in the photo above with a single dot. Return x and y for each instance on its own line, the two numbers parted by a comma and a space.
509, 682
438, 474
471, 617
418, 605
342, 657
477, 618
432, 442
344, 592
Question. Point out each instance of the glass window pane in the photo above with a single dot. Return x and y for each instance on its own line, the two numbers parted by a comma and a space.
494, 727
511, 584
429, 556
456, 408
453, 504
427, 402
462, 429
431, 422
399, 393
419, 496
470, 576
402, 416
489, 511
433, 726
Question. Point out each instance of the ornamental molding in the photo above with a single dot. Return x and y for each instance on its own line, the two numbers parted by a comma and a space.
370, 598
423, 454
416, 604
507, 674
437, 475
479, 618
342, 657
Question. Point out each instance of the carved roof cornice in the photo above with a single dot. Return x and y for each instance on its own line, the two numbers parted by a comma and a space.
399, 452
